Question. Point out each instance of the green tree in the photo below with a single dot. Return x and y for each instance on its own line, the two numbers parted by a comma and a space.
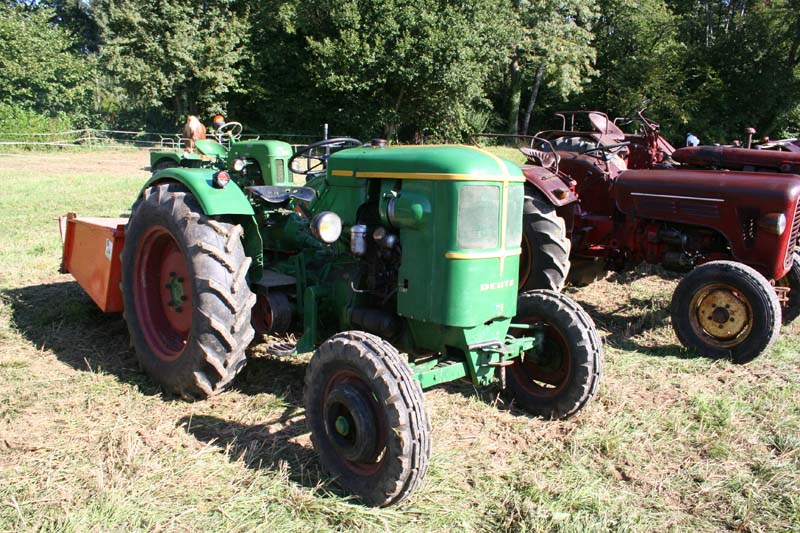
640, 55
389, 67
554, 49
41, 71
172, 58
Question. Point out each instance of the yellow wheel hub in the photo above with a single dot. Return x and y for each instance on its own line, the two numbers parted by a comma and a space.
722, 312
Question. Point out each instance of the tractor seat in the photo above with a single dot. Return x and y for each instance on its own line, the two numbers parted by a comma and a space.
278, 194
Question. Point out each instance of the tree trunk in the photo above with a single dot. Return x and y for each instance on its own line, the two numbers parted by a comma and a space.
534, 94
515, 95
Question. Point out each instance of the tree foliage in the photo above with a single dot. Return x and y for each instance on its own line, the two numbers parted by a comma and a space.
172, 58
407, 69
41, 70
378, 67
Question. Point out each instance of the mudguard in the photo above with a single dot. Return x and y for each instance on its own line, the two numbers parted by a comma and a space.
230, 200
549, 184
732, 203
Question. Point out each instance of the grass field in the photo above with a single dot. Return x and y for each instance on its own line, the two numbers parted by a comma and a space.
87, 443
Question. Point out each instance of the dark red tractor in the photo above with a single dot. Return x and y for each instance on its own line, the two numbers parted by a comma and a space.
600, 200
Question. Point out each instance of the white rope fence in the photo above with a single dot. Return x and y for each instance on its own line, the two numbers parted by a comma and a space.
102, 138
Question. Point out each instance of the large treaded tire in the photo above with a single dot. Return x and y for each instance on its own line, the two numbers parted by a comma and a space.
791, 309
544, 262
689, 308
571, 333
373, 368
214, 349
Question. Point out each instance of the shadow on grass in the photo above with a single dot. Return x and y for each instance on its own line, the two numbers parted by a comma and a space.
275, 444
62, 318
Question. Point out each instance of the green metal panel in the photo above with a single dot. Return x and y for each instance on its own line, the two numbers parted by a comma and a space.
227, 201
416, 161
272, 157
211, 148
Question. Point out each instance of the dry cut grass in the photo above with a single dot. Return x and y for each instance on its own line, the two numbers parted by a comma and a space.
673, 442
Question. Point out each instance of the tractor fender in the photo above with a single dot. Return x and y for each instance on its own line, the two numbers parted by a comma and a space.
229, 200
549, 184
732, 203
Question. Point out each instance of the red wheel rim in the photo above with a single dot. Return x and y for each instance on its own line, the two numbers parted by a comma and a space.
352, 379
549, 380
163, 293
525, 261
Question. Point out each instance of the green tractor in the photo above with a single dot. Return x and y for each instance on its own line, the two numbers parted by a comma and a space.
396, 266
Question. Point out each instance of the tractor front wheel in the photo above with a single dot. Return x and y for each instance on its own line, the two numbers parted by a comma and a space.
561, 379
184, 287
367, 418
725, 309
544, 262
791, 309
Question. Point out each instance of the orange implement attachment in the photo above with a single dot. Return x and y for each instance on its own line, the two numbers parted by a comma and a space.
91, 254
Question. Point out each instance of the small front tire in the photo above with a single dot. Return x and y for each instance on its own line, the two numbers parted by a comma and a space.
367, 418
725, 309
561, 380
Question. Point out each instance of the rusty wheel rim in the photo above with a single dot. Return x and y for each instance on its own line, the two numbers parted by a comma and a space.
721, 314
354, 422
544, 377
163, 293
525, 261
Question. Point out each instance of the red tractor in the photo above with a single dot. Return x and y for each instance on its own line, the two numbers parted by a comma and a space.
599, 200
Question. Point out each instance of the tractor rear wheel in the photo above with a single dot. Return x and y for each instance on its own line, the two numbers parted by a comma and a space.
561, 380
791, 309
544, 262
724, 309
367, 418
184, 287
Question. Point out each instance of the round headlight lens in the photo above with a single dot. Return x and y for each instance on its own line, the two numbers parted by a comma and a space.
774, 223
221, 179
327, 227
239, 164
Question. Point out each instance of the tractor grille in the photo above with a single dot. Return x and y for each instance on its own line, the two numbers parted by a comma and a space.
279, 176
793, 236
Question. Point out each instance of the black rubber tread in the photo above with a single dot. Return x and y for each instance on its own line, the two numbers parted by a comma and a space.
753, 286
791, 309
392, 383
586, 348
546, 232
222, 300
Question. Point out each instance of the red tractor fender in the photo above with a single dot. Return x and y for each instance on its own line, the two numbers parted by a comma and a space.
738, 158
550, 185
732, 203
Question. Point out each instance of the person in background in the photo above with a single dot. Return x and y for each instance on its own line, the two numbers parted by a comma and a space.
691, 140
218, 121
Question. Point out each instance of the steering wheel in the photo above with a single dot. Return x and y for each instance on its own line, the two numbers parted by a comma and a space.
231, 130
316, 155
607, 148
634, 114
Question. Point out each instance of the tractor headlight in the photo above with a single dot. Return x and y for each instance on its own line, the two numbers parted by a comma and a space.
239, 164
221, 179
773, 223
327, 227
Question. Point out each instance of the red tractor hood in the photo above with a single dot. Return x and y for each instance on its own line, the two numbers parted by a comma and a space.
738, 158
732, 203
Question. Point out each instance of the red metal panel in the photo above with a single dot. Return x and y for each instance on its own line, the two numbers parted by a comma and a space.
729, 202
91, 254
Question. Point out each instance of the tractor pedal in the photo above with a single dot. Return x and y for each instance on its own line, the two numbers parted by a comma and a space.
501, 363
